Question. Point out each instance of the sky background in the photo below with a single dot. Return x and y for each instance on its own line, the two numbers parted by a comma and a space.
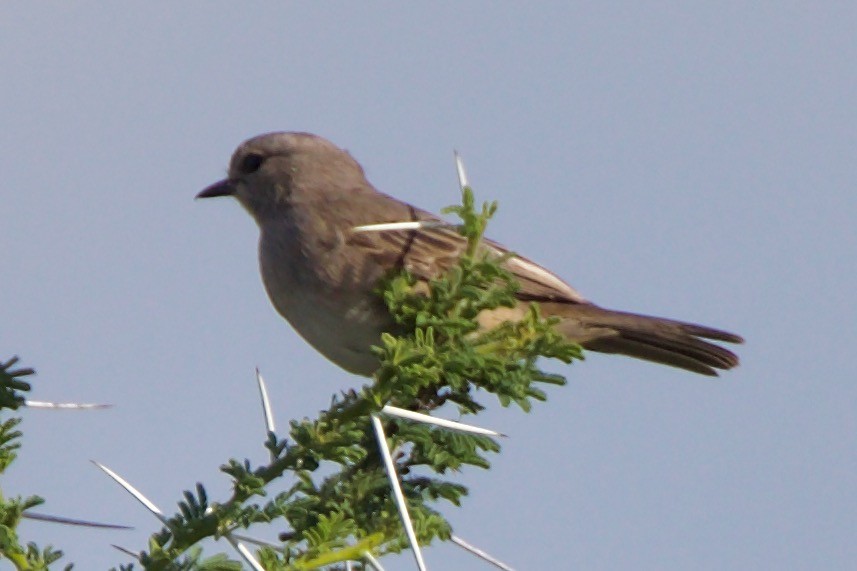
691, 160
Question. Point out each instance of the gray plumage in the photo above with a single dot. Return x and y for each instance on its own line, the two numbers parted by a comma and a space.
307, 195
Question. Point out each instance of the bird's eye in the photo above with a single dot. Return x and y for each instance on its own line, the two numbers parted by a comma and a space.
251, 163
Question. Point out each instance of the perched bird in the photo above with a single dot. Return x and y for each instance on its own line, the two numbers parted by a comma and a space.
307, 196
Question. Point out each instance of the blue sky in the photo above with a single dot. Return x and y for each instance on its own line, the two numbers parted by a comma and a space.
694, 161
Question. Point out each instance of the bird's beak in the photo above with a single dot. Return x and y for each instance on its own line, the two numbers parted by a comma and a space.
224, 187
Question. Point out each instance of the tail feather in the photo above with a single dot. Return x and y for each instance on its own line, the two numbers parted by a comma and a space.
656, 339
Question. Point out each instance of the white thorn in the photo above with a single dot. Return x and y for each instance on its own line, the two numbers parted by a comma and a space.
372, 561
266, 403
238, 546
128, 552
70, 521
64, 405
133, 491
479, 553
442, 422
397, 491
462, 174
245, 553
409, 225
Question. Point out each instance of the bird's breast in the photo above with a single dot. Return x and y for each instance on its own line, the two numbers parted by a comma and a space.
325, 294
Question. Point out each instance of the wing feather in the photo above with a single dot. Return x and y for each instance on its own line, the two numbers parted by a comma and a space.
428, 251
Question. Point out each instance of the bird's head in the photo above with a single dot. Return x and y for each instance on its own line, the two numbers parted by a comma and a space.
274, 171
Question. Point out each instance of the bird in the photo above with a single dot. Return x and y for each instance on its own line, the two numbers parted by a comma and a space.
308, 195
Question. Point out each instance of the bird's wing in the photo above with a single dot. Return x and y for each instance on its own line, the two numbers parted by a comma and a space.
426, 251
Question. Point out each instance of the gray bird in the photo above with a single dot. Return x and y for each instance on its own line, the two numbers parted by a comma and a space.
307, 195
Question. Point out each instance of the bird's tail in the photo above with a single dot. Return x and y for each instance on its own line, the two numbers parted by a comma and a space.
665, 341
